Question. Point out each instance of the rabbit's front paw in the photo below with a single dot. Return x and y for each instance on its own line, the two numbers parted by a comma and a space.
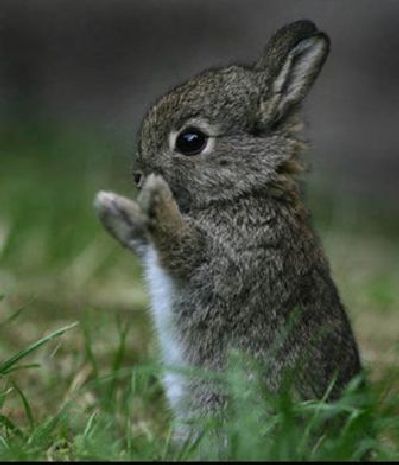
122, 217
154, 197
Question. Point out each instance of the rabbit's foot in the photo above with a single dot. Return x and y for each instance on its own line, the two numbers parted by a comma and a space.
154, 195
157, 202
123, 218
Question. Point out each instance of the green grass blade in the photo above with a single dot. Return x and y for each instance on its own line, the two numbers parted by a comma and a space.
21, 367
26, 405
9, 425
5, 366
12, 317
118, 358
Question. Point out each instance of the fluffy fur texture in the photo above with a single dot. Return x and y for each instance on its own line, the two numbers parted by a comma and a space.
230, 251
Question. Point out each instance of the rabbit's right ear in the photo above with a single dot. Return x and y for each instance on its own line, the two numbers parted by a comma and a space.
288, 67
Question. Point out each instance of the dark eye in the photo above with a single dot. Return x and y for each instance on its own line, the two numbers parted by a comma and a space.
191, 141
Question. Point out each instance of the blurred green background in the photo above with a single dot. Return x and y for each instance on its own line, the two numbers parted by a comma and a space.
58, 264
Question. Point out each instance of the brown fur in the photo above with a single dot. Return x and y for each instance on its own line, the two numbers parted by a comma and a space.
230, 226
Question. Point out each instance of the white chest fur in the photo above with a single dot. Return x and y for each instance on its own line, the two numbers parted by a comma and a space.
162, 291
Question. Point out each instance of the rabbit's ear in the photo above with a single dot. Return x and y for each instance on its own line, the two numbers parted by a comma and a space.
290, 64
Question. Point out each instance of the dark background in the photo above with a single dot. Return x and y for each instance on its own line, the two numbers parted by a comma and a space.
103, 62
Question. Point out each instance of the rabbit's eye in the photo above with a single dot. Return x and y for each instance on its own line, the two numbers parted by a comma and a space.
191, 141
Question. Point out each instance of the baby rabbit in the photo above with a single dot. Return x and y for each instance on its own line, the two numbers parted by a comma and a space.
229, 251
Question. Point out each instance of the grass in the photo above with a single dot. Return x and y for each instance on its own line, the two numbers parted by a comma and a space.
93, 391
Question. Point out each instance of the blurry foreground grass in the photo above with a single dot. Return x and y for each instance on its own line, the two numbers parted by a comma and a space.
96, 391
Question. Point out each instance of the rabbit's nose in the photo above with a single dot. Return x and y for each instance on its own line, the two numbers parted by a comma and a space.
138, 178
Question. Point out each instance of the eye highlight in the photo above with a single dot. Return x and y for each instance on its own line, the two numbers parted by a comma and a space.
191, 141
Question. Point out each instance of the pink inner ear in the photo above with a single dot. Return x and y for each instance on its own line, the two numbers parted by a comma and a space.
300, 68
297, 74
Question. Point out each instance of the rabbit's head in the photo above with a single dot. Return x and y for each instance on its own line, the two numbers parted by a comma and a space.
232, 131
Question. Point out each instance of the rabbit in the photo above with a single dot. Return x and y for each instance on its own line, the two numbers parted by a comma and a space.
221, 227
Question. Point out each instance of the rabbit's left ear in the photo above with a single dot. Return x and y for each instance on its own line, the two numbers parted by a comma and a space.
290, 63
